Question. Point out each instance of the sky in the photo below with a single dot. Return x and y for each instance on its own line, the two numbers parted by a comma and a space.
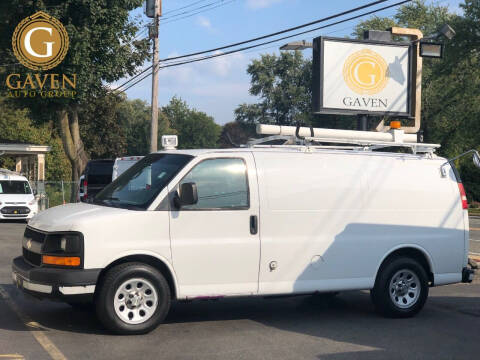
219, 85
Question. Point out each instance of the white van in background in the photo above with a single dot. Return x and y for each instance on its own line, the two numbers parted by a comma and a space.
123, 163
17, 200
253, 221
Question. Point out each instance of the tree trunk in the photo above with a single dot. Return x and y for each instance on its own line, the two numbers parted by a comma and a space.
73, 145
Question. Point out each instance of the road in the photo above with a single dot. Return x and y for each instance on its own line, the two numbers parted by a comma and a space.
301, 327
475, 235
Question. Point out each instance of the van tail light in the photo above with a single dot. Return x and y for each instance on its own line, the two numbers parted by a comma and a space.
463, 196
85, 183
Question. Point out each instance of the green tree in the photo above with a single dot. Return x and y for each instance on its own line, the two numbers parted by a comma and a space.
102, 49
16, 126
104, 136
195, 129
133, 117
236, 133
283, 84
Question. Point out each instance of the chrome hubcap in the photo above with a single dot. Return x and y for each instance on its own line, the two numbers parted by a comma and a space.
404, 288
135, 301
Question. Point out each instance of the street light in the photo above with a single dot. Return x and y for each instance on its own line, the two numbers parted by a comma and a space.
297, 45
446, 31
432, 49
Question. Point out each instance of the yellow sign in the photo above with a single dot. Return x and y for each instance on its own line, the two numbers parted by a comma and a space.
40, 42
365, 72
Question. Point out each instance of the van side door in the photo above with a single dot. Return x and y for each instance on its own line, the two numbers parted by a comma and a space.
215, 243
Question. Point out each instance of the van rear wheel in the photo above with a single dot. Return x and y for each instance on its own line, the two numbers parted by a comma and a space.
401, 288
133, 299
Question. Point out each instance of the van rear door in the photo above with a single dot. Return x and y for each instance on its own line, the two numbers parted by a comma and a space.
215, 243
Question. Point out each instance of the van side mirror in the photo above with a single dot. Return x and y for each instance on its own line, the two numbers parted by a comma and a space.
476, 159
188, 195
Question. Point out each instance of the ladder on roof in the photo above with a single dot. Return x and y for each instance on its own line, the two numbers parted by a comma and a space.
357, 140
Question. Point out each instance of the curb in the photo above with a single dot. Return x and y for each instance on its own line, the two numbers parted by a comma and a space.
476, 277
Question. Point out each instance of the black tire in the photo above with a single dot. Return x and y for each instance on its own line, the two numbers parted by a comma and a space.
397, 306
110, 283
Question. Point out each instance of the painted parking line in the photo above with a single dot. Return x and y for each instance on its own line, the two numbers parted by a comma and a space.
35, 328
474, 229
12, 356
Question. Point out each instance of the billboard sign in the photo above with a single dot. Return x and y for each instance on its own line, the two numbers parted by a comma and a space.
361, 77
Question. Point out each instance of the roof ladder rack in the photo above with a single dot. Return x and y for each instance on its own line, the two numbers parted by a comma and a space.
357, 140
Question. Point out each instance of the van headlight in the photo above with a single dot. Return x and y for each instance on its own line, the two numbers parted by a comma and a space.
64, 250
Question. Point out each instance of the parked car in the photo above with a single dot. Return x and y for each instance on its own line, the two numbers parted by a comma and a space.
121, 164
97, 174
17, 200
281, 220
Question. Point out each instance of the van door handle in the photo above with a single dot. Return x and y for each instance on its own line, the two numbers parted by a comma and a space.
253, 224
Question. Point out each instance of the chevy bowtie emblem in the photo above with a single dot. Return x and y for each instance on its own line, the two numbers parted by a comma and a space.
29, 244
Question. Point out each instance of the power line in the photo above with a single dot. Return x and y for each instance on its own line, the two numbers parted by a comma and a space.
284, 37
135, 83
133, 78
198, 12
279, 32
184, 7
141, 33
262, 37
191, 10
261, 44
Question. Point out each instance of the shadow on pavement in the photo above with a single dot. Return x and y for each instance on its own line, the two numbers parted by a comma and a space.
444, 327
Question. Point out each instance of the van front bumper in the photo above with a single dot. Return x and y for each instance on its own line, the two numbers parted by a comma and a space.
57, 284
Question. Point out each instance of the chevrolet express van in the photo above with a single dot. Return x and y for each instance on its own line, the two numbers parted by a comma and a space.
253, 221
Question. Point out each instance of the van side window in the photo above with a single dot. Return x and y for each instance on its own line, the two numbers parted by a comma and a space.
221, 184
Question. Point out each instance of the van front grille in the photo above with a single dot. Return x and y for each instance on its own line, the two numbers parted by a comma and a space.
14, 210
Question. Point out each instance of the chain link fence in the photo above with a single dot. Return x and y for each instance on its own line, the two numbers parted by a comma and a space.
53, 193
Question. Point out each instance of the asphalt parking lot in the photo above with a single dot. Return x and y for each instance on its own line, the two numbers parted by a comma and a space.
301, 327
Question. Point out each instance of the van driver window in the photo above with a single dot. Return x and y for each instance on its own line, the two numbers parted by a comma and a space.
221, 184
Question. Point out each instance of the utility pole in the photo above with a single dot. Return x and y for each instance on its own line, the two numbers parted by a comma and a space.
154, 10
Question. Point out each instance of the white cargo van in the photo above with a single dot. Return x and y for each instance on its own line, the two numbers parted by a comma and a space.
17, 200
260, 220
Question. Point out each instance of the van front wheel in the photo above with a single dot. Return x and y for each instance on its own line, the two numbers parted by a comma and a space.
133, 298
401, 288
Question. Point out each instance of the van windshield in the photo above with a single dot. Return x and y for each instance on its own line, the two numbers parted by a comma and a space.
14, 187
138, 186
